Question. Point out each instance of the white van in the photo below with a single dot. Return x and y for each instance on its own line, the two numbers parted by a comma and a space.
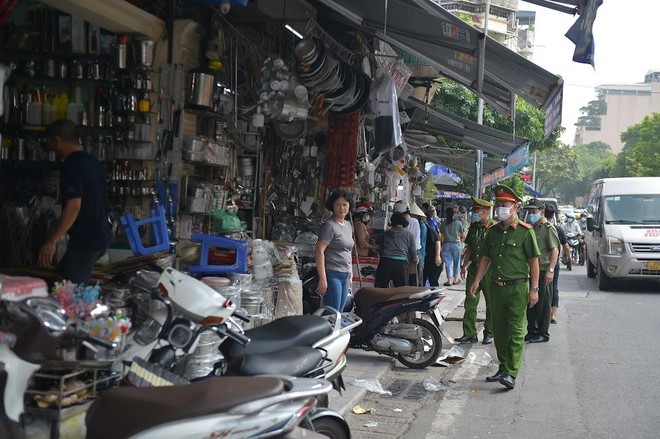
623, 223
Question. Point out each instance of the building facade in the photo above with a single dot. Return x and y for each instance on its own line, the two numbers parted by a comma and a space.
618, 106
501, 20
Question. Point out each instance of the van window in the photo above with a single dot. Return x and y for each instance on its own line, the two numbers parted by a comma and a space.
631, 209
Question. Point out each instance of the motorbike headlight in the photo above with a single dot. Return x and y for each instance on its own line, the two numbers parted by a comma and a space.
614, 246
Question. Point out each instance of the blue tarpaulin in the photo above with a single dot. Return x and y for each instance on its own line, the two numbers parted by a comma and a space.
530, 189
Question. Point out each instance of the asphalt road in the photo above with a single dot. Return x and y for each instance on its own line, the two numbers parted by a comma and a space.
597, 377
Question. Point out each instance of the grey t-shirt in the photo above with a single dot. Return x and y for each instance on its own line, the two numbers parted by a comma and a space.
452, 231
340, 243
398, 243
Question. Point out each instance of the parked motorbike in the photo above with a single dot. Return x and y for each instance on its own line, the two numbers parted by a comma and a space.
389, 323
34, 329
578, 246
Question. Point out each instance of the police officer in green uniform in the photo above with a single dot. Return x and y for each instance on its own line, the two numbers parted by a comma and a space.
511, 251
481, 221
538, 316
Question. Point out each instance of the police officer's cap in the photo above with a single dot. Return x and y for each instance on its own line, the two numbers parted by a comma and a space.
478, 203
534, 204
505, 193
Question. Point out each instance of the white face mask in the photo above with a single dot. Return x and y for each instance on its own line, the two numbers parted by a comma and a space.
503, 213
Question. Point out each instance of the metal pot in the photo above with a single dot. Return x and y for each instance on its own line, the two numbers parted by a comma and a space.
201, 85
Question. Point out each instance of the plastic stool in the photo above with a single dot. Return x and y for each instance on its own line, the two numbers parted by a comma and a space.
207, 241
159, 226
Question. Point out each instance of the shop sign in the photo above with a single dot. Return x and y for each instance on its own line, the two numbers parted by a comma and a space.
517, 160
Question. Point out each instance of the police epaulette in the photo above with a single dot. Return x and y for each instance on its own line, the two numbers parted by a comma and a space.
488, 226
525, 225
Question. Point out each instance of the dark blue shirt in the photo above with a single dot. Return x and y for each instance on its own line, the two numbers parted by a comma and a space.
82, 176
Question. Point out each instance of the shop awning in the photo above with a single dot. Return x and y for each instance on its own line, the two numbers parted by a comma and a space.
437, 122
428, 31
460, 161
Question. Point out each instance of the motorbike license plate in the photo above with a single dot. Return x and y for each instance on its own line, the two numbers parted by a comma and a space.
653, 265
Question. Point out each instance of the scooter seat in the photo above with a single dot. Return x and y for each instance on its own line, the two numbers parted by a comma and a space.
296, 361
366, 297
122, 412
279, 334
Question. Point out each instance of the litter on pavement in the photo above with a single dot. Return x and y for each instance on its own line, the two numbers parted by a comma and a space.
361, 411
452, 356
482, 359
371, 424
433, 385
372, 385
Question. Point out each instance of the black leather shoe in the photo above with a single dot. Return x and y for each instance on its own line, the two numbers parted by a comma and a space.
529, 336
488, 339
466, 339
496, 377
508, 381
538, 339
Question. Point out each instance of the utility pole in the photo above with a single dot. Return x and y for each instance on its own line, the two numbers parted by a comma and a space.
479, 162
534, 171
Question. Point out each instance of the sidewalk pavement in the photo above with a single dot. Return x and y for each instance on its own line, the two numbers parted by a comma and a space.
363, 365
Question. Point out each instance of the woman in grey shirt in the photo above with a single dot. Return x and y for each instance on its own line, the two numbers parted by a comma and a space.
333, 252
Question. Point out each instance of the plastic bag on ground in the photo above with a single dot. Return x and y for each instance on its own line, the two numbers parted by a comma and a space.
372, 385
453, 355
482, 360
433, 385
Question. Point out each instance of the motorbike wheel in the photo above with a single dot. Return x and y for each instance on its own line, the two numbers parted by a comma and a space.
327, 426
431, 339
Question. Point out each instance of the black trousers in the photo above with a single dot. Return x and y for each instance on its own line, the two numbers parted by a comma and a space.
391, 270
431, 273
76, 265
555, 287
538, 316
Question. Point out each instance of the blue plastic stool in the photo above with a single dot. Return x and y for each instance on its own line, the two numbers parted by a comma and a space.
208, 241
159, 226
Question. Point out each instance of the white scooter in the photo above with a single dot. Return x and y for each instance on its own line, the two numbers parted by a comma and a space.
326, 330
32, 330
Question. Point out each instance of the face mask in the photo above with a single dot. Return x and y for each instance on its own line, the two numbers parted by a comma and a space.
534, 217
503, 213
475, 217
365, 218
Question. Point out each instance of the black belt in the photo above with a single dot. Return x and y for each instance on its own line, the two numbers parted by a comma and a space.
506, 283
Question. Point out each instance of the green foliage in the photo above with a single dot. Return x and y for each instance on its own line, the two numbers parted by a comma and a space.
557, 171
516, 185
640, 156
456, 99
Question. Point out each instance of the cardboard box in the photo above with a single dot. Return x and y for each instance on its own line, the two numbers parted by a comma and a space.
366, 273
93, 39
78, 36
64, 33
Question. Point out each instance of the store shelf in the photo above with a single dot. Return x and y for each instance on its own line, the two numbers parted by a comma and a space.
210, 165
28, 164
204, 113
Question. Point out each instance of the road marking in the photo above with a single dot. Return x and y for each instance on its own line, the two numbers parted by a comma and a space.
454, 401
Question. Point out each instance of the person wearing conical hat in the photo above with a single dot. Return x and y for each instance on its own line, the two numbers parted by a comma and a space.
512, 254
480, 223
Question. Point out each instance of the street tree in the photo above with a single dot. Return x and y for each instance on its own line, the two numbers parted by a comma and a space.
557, 169
640, 156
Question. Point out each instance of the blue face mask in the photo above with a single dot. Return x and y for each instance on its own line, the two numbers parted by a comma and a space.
475, 217
534, 217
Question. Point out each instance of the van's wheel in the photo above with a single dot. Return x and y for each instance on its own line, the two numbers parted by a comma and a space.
429, 347
591, 268
604, 282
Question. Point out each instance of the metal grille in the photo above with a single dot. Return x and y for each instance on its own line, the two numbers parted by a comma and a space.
644, 272
645, 248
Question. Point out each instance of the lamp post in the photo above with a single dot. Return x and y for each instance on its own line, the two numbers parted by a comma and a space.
479, 162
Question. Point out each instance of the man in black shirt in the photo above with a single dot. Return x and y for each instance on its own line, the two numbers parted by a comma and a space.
549, 215
83, 191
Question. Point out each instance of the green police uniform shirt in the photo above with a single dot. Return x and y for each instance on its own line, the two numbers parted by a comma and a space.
547, 239
475, 239
510, 249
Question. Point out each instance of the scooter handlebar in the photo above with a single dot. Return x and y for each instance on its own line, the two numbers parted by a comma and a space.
239, 338
240, 316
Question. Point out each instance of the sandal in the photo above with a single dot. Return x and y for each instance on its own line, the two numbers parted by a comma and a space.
447, 284
456, 282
